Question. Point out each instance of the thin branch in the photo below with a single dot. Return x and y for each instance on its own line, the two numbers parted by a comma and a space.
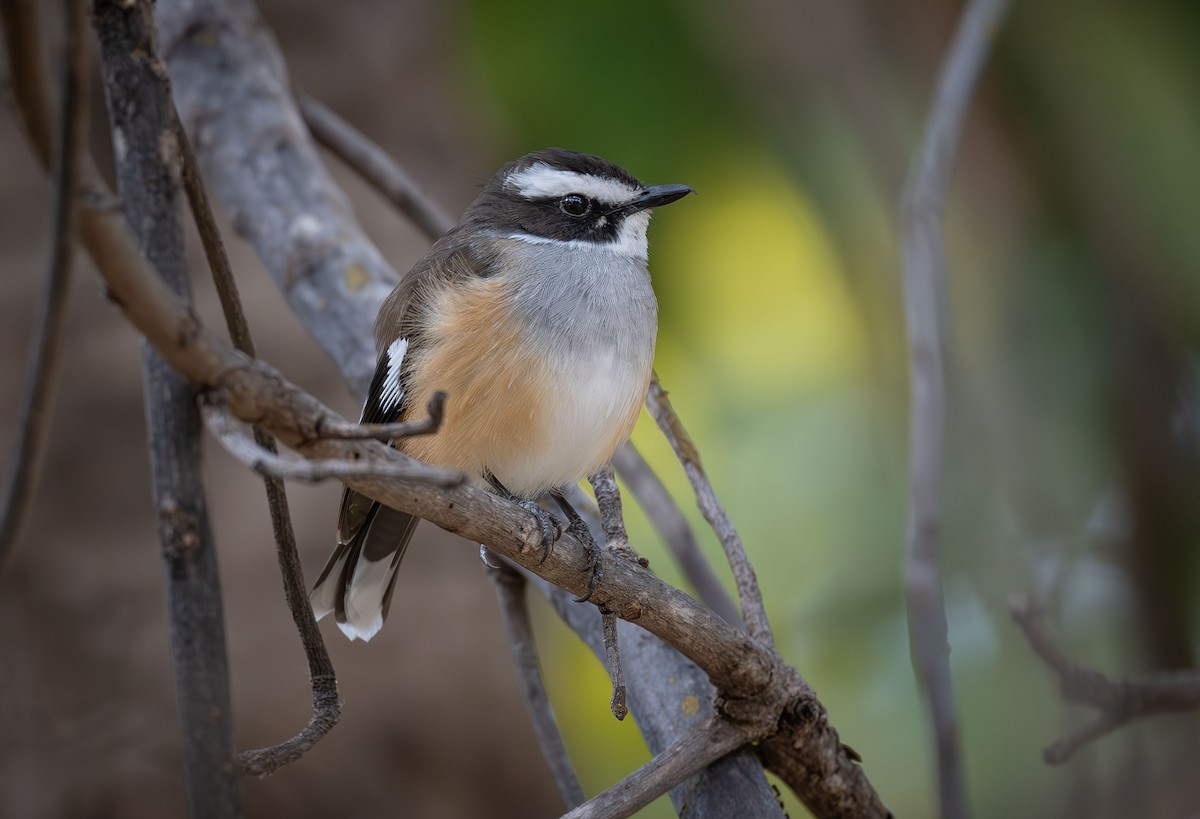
673, 527
612, 652
754, 613
612, 517
69, 139
263, 460
689, 754
140, 112
616, 540
326, 704
373, 165
922, 211
436, 409
510, 592
1118, 702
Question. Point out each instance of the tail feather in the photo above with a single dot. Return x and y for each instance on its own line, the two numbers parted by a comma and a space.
357, 582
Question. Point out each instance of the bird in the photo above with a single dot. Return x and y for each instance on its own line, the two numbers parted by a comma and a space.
536, 317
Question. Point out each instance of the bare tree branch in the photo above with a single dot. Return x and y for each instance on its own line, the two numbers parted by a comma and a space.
510, 591
436, 409
754, 613
734, 785
612, 654
69, 140
265, 461
373, 165
1118, 702
922, 211
612, 517
142, 121
666, 516
224, 64
682, 759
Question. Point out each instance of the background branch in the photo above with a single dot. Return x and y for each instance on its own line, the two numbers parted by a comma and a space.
38, 404
1117, 702
924, 282
370, 162
754, 613
687, 755
510, 591
672, 526
142, 121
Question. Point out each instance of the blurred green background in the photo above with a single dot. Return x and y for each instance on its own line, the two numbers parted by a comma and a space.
1072, 440
1073, 298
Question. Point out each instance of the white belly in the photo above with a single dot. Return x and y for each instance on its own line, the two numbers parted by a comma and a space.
589, 414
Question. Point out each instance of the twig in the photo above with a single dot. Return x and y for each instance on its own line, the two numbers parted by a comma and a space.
616, 540
682, 759
326, 704
673, 527
436, 409
922, 210
69, 139
733, 786
264, 461
612, 653
754, 613
1117, 702
608, 498
376, 167
140, 112
510, 592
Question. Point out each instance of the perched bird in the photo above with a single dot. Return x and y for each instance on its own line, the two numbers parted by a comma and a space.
536, 316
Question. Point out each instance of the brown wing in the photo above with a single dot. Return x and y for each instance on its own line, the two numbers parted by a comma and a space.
358, 579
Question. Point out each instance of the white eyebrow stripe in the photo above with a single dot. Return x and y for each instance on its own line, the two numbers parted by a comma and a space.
541, 180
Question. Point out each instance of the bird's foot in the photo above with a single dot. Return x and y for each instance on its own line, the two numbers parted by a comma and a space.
550, 528
579, 528
595, 557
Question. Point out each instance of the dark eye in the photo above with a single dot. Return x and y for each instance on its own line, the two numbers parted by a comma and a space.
574, 205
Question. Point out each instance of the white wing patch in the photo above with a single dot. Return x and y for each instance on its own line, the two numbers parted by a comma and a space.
541, 180
392, 393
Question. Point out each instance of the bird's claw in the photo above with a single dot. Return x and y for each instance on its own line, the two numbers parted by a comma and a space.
595, 557
551, 529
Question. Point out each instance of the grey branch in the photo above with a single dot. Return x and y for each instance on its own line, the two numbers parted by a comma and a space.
326, 704
239, 443
754, 613
682, 759
435, 409
1117, 702
69, 138
510, 591
673, 527
234, 99
734, 785
616, 540
376, 167
924, 263
142, 120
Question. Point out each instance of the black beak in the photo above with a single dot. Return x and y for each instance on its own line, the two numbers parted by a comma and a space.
656, 196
